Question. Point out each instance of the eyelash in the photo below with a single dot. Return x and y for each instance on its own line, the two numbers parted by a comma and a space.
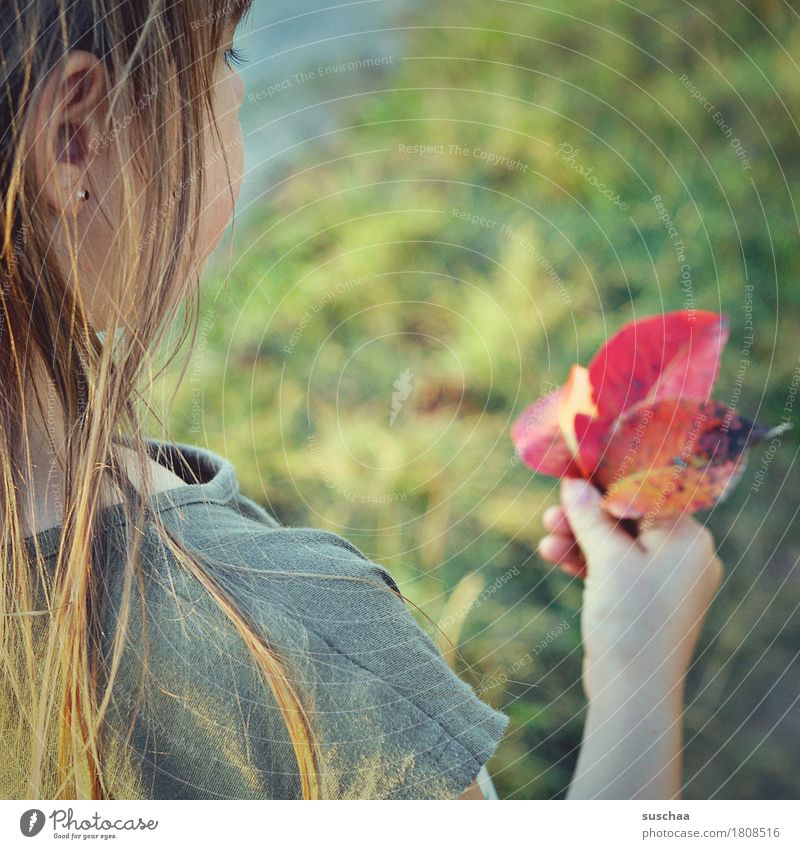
234, 57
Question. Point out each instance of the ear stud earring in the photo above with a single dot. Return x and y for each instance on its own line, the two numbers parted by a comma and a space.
83, 194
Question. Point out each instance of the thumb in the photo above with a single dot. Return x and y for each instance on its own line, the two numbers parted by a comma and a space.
593, 528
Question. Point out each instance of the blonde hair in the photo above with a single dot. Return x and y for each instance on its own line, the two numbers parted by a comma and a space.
98, 384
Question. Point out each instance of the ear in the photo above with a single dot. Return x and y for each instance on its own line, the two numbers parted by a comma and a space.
65, 137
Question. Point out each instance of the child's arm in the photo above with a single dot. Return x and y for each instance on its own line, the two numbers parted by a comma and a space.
632, 741
644, 604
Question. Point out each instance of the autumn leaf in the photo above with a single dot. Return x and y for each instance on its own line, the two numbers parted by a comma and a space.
675, 355
576, 399
693, 457
639, 422
539, 441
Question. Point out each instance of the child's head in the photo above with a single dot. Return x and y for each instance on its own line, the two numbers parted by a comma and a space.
134, 103
120, 163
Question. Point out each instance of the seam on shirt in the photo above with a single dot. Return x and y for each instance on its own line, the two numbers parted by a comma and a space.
319, 535
393, 687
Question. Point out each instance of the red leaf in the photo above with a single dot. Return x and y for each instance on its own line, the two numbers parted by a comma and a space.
539, 441
673, 456
575, 399
590, 433
658, 494
672, 355
639, 423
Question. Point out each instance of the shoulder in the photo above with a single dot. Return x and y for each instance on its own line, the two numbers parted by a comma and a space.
392, 719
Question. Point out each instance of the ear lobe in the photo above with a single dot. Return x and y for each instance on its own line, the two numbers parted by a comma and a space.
65, 123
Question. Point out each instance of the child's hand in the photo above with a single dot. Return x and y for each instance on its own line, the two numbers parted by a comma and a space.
645, 599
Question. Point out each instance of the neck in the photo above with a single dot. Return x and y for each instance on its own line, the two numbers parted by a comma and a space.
41, 493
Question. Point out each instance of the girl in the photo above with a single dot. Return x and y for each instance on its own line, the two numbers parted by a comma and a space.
162, 635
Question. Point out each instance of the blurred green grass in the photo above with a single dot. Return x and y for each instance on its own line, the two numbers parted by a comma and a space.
482, 318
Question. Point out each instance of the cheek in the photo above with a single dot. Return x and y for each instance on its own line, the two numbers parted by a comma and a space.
222, 185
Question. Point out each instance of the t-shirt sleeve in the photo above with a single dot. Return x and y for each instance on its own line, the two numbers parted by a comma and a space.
411, 725
390, 718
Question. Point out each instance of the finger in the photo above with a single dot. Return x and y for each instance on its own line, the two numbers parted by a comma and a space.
594, 529
561, 549
654, 534
555, 520
574, 570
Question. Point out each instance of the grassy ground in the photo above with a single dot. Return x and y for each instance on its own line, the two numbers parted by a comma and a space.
463, 280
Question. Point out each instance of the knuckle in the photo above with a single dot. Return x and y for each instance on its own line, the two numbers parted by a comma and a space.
704, 538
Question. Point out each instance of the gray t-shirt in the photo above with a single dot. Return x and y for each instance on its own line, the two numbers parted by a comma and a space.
391, 718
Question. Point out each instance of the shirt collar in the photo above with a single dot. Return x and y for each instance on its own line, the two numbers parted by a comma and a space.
208, 478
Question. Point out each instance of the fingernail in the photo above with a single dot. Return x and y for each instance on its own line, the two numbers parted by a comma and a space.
578, 493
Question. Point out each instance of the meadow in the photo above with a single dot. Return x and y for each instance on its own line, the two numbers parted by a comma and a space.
512, 187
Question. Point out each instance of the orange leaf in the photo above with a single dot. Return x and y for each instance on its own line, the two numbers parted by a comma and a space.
674, 456
538, 439
577, 398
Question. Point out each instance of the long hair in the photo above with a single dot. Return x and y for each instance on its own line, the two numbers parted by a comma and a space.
57, 681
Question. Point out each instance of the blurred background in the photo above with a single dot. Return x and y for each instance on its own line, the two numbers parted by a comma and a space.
446, 205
